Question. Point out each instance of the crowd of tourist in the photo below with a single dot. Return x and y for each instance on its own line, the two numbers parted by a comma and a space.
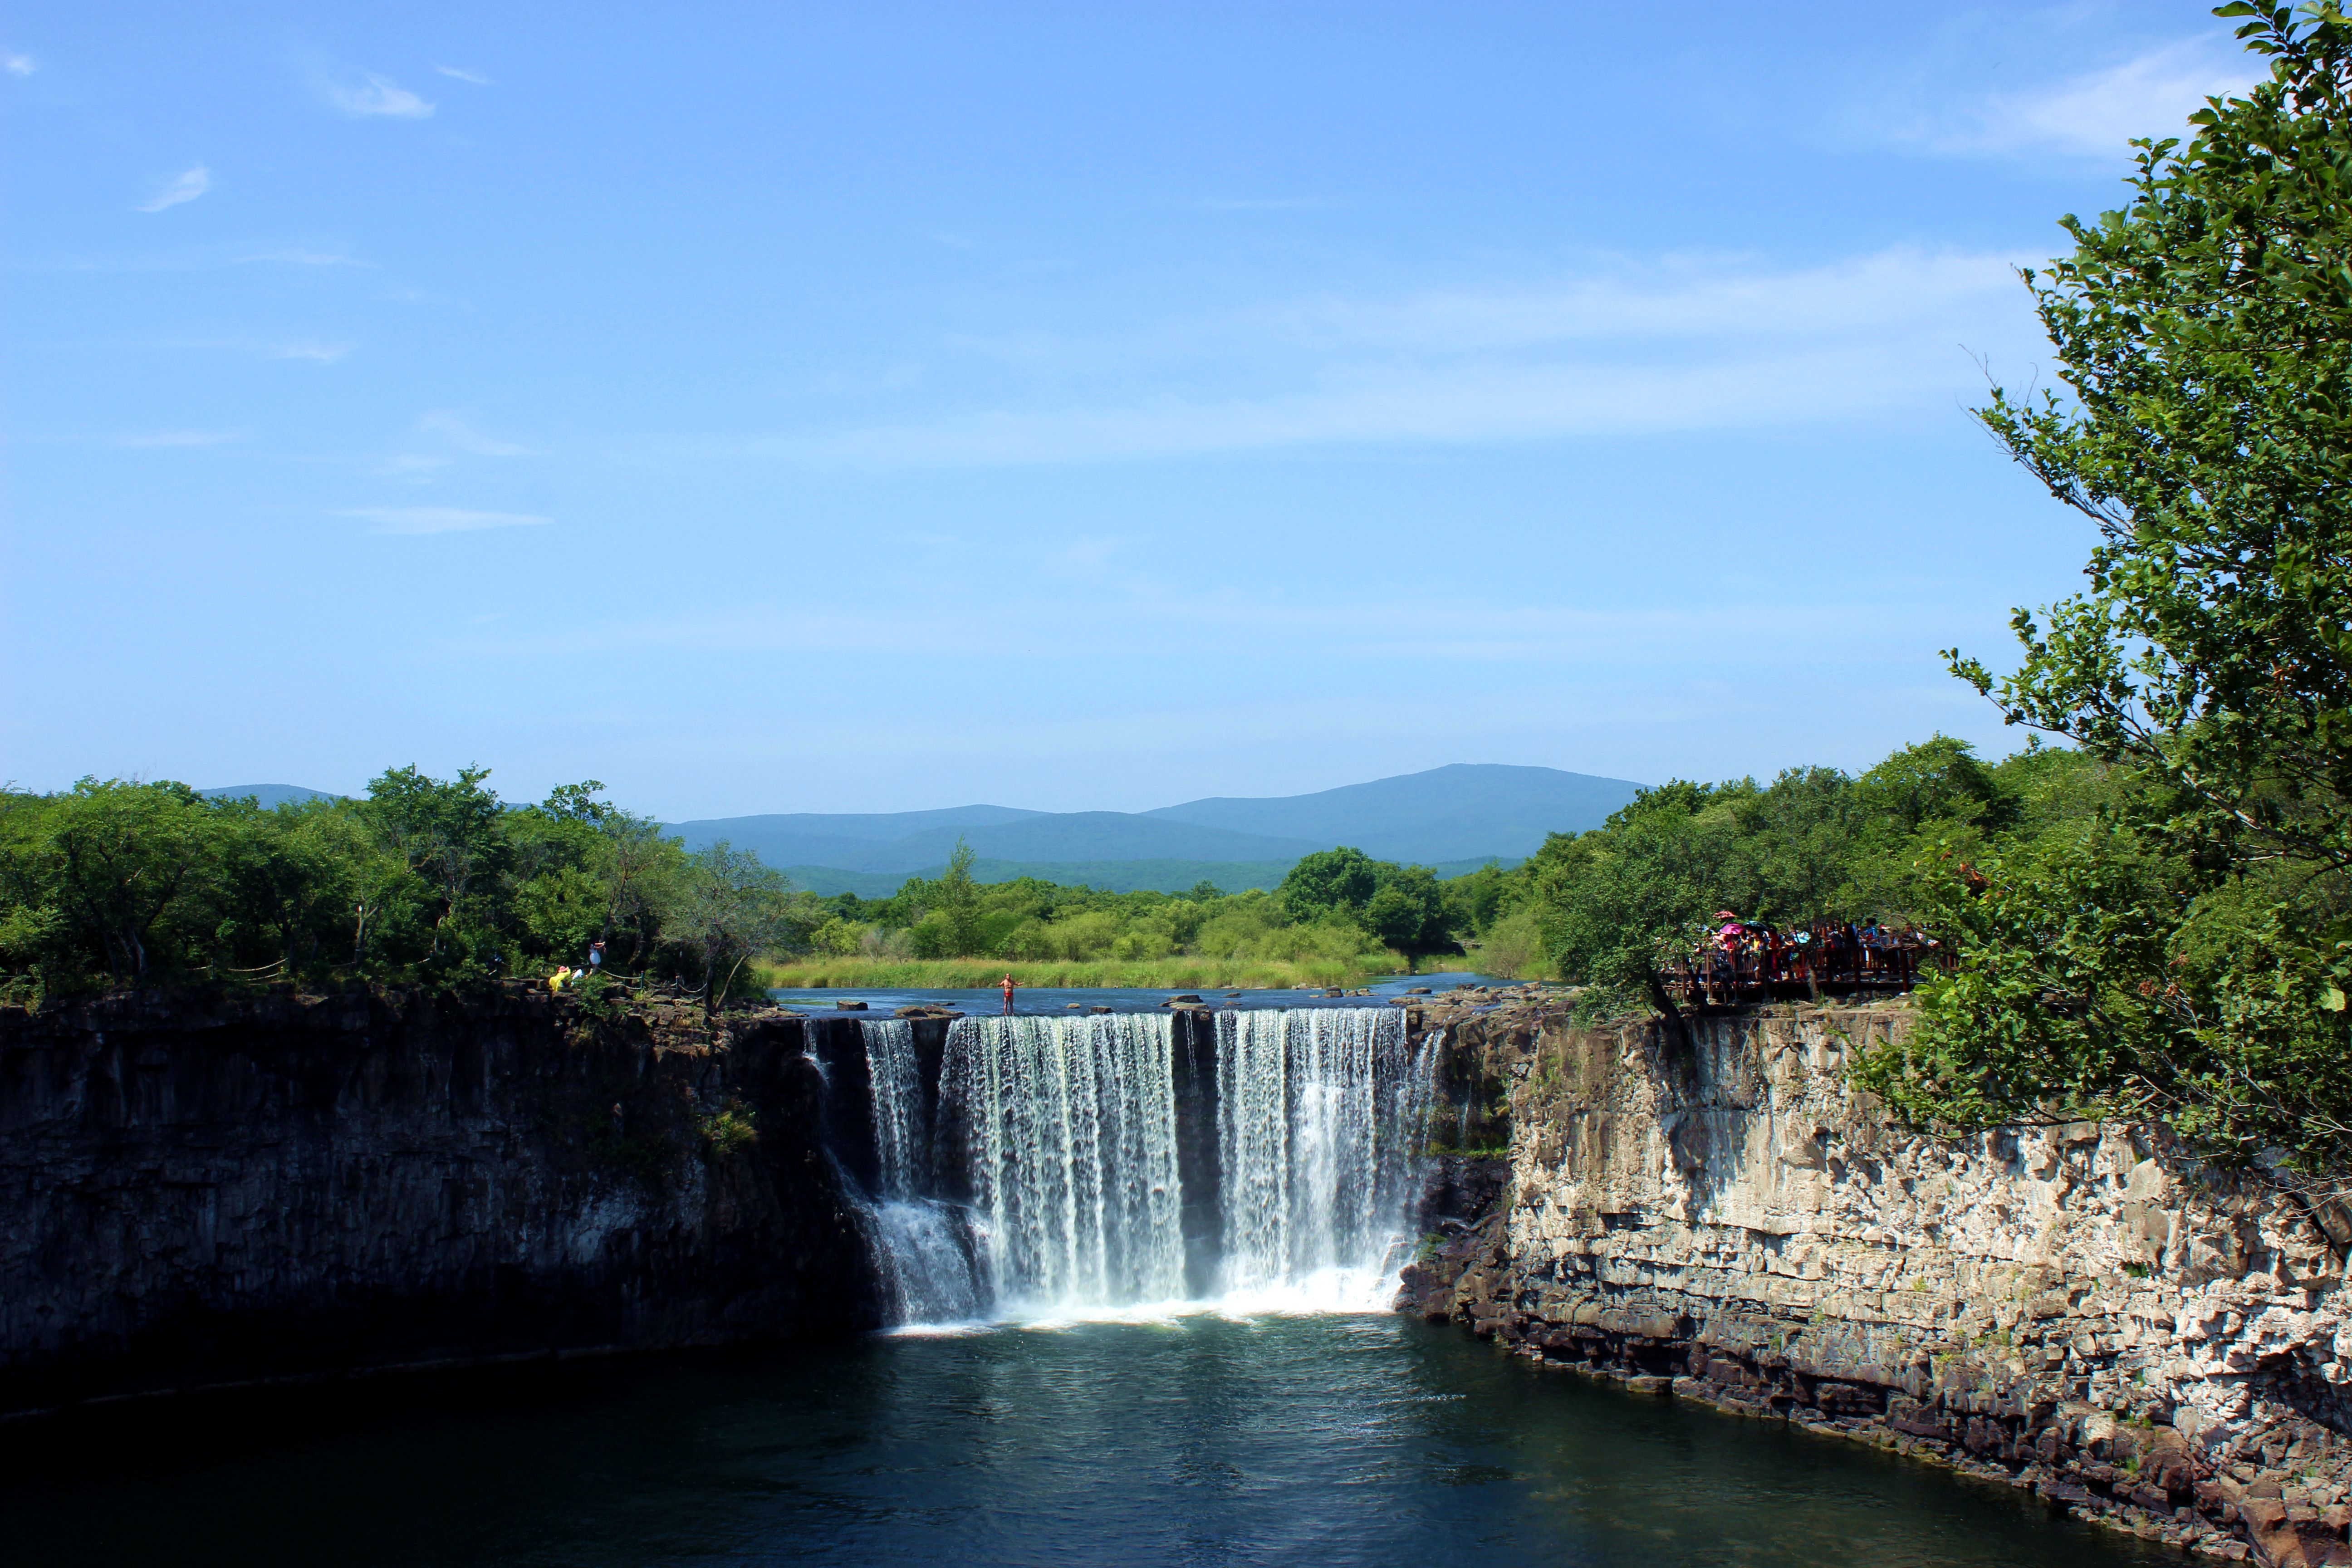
1744, 961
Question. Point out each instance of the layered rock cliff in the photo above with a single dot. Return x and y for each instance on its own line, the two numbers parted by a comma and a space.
2076, 1309
195, 1191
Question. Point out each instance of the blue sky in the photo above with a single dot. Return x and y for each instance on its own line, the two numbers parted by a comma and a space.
1089, 406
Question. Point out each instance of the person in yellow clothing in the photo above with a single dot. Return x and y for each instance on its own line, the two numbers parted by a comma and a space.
555, 981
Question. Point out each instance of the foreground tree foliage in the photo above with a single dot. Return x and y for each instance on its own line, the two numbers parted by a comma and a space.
1612, 908
2188, 957
421, 881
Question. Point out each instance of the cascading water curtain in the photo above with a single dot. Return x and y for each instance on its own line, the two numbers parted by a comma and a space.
901, 1142
1320, 1115
1071, 1144
923, 1245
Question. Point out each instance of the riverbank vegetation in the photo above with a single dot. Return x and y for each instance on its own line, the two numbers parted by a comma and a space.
437, 881
1338, 917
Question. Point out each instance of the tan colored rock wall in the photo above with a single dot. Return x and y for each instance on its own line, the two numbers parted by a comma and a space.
1731, 1221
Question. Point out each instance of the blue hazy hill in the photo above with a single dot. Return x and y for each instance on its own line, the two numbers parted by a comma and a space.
267, 796
1451, 818
1061, 837
1460, 812
1109, 876
1457, 816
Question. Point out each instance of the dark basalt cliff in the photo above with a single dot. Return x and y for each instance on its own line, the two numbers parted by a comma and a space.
2077, 1310
196, 1191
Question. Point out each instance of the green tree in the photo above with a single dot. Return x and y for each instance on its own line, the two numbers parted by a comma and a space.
98, 875
1619, 902
1329, 882
1408, 913
2186, 960
448, 835
291, 877
729, 906
955, 898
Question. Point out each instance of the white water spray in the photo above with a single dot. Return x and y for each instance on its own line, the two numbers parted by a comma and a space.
1071, 1154
1064, 1133
1320, 1113
924, 1246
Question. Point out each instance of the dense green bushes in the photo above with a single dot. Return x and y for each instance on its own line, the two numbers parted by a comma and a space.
1613, 908
1338, 906
424, 881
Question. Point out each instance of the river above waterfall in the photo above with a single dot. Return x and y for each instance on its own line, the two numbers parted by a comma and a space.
1047, 1000
1321, 1440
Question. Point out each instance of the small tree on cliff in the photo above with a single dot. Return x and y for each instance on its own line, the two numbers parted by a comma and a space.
729, 907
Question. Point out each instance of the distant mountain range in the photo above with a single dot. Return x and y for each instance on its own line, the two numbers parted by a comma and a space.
269, 794
1111, 875
1452, 818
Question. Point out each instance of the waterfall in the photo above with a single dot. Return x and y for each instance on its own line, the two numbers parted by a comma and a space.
925, 1246
901, 1141
1070, 1129
1320, 1117
1053, 1178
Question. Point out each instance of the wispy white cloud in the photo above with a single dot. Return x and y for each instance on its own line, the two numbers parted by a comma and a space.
1264, 203
316, 352
187, 188
181, 438
299, 349
299, 256
474, 77
378, 97
438, 519
1618, 349
194, 259
2094, 113
455, 430
19, 64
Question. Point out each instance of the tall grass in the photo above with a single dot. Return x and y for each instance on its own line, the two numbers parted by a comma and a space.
1177, 973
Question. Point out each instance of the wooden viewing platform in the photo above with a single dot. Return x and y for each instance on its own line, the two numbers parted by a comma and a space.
1766, 965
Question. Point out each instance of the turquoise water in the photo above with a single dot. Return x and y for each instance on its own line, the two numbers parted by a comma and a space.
1053, 999
1193, 1440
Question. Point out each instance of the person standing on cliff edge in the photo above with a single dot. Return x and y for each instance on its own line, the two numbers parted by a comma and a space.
1009, 983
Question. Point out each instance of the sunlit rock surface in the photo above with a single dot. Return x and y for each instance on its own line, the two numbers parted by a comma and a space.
2077, 1307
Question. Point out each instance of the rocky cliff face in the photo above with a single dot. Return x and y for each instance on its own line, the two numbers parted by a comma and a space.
202, 1191
2076, 1309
